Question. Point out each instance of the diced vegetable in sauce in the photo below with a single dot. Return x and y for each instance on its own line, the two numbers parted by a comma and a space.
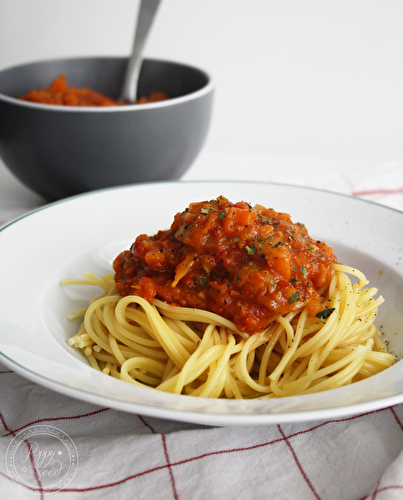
246, 264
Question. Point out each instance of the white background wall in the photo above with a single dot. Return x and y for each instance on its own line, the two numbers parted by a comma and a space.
307, 79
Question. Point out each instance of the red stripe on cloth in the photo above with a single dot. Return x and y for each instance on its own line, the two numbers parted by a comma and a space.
396, 418
6, 427
53, 419
375, 492
108, 485
6, 371
327, 422
390, 487
35, 470
171, 475
164, 445
143, 421
223, 452
377, 191
298, 463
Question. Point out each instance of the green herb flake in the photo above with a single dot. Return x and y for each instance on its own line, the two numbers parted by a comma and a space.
293, 298
222, 214
235, 240
278, 244
325, 313
251, 250
206, 210
303, 270
237, 277
203, 281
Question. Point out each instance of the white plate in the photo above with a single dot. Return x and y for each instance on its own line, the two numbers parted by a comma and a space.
88, 231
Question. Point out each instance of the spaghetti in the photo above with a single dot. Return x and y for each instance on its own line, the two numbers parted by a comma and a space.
323, 339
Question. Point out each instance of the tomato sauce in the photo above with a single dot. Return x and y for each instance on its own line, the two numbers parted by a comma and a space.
245, 264
60, 93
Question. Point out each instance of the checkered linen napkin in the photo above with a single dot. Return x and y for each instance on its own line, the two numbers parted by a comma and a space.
94, 452
382, 183
125, 456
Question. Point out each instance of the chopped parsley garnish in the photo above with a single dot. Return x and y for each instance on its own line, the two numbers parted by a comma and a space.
222, 214
203, 281
303, 270
293, 298
325, 313
278, 244
235, 240
206, 210
251, 250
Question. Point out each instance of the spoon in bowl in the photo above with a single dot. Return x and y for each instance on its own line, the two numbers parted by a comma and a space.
146, 15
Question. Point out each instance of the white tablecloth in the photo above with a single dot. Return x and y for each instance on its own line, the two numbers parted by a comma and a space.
114, 455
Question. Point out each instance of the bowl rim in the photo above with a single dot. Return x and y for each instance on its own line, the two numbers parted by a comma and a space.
206, 89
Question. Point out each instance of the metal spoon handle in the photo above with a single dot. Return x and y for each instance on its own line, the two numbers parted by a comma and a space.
145, 19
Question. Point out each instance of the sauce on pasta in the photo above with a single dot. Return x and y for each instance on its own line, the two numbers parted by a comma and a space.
247, 264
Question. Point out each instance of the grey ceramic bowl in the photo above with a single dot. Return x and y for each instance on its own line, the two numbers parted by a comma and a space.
59, 151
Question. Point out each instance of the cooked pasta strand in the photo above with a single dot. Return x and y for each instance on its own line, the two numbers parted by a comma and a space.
198, 353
